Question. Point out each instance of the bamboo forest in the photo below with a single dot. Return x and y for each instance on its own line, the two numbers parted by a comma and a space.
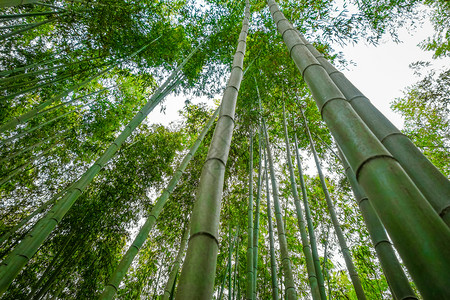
278, 179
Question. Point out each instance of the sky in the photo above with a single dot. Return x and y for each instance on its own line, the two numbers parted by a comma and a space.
381, 72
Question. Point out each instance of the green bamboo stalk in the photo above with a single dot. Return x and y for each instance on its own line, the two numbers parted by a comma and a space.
236, 257
30, 66
392, 269
312, 278
8, 3
34, 128
141, 237
256, 221
290, 292
13, 26
12, 265
34, 146
47, 270
273, 261
430, 181
310, 226
169, 289
340, 235
249, 290
419, 234
43, 71
35, 111
228, 268
35, 87
31, 26
19, 169
230, 256
199, 268
35, 14
43, 207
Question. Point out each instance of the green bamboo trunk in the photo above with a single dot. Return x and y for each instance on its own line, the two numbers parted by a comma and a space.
419, 234
18, 170
169, 289
18, 258
312, 278
31, 147
432, 183
236, 265
290, 291
199, 268
273, 261
127, 259
29, 27
35, 14
30, 66
230, 257
310, 226
392, 269
256, 221
35, 111
46, 70
249, 291
340, 235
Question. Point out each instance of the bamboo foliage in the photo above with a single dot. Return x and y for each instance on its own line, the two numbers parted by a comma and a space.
197, 275
419, 234
340, 235
39, 108
396, 278
17, 259
315, 292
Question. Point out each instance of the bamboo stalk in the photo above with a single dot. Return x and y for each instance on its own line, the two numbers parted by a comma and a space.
12, 265
199, 268
340, 235
419, 234
312, 278
290, 292
430, 181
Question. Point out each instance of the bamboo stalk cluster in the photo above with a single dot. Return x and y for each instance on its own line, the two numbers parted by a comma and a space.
400, 194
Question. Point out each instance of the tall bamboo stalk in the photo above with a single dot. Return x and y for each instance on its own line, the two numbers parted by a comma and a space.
310, 226
396, 278
31, 26
34, 14
419, 234
340, 235
230, 257
290, 292
430, 181
12, 265
169, 289
256, 221
312, 278
273, 261
127, 259
249, 290
199, 268
236, 265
